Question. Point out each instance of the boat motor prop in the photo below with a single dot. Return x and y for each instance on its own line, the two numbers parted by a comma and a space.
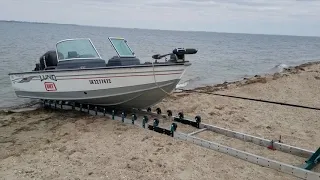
177, 55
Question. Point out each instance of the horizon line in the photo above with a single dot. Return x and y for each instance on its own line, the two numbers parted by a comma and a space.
38, 22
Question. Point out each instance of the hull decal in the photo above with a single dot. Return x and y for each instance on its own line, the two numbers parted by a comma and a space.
50, 86
121, 76
54, 77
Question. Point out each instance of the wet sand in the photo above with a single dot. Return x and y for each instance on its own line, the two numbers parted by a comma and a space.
46, 144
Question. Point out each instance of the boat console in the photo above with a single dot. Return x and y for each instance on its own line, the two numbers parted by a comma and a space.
123, 61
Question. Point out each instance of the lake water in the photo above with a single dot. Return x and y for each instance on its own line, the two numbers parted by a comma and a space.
221, 56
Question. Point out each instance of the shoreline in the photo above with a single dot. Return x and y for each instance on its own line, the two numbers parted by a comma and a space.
258, 78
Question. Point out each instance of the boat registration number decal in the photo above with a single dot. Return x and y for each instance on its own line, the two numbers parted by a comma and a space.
100, 81
50, 86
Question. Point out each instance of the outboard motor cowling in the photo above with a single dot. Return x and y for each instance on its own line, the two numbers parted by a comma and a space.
49, 59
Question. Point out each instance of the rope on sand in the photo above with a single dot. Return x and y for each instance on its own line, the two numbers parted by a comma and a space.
258, 100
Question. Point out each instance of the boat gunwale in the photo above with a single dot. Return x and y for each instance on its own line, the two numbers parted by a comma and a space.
185, 63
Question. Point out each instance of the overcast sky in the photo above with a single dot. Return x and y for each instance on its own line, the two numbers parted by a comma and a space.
292, 17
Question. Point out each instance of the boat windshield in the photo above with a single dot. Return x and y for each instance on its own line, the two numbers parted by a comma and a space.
121, 46
76, 49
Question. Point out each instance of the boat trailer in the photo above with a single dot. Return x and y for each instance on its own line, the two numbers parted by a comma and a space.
304, 171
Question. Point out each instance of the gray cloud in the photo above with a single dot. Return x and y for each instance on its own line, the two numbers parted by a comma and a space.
237, 2
210, 15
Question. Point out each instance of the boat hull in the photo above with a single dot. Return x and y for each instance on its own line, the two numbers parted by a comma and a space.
135, 87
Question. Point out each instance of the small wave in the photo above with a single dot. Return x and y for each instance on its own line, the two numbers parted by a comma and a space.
279, 68
182, 85
186, 83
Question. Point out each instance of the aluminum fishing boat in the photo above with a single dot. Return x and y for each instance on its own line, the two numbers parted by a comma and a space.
75, 71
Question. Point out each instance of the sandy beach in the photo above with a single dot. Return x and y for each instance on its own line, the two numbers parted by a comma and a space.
47, 144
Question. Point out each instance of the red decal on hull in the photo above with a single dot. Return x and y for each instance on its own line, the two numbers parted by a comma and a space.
50, 86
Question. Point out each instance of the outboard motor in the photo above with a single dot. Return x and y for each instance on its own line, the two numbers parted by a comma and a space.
48, 60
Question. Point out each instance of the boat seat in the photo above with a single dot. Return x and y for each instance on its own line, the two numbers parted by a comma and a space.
72, 54
87, 56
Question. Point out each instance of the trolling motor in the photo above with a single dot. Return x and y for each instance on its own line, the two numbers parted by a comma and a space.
177, 55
